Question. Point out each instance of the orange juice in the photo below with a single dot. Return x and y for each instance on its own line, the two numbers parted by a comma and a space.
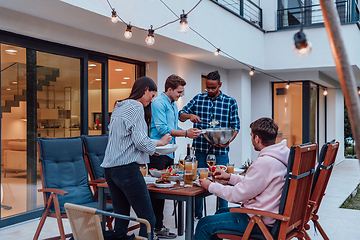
230, 168
194, 169
188, 165
188, 178
143, 171
203, 174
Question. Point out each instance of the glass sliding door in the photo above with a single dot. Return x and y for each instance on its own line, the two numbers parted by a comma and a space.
94, 96
121, 80
288, 112
15, 190
58, 96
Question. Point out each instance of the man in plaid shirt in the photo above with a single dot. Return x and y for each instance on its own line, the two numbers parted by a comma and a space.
203, 109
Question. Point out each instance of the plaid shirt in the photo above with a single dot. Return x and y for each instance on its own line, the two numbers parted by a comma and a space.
223, 109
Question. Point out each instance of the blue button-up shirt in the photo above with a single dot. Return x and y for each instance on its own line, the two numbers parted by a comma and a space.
222, 108
164, 118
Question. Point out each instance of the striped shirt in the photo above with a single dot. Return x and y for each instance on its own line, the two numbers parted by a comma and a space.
223, 109
128, 139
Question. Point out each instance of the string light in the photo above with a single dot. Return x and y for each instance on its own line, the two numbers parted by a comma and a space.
150, 39
288, 85
128, 33
183, 27
301, 47
359, 91
252, 71
325, 92
114, 16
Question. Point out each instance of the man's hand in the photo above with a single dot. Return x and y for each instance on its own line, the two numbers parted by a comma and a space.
205, 183
193, 133
195, 119
221, 175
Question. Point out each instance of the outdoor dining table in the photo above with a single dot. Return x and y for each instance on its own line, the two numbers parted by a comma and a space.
181, 194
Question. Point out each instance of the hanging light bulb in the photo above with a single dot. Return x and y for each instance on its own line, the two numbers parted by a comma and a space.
184, 26
114, 16
216, 53
252, 71
150, 40
302, 47
128, 33
325, 92
288, 85
359, 91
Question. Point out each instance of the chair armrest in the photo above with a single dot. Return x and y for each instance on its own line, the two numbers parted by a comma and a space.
260, 213
53, 190
312, 203
95, 182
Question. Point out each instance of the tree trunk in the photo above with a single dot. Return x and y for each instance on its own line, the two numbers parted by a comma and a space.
343, 68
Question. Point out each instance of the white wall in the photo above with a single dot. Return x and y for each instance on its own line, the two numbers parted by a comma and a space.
12, 127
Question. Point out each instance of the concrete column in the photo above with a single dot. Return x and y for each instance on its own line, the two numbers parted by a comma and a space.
239, 87
335, 120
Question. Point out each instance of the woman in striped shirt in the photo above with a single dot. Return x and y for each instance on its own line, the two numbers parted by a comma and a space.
129, 146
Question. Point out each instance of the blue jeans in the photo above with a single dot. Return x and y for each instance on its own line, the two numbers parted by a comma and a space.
220, 160
128, 189
222, 220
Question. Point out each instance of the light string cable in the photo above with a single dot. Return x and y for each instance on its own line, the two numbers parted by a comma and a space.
213, 45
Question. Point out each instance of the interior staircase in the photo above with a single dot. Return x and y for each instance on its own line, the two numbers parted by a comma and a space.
13, 83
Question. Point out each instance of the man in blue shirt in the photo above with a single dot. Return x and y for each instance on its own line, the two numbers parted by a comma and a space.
165, 120
202, 110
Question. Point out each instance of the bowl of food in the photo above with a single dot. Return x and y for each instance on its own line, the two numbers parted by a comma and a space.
218, 135
174, 177
155, 173
167, 149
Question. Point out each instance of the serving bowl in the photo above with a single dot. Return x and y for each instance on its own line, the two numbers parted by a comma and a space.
155, 173
167, 149
218, 135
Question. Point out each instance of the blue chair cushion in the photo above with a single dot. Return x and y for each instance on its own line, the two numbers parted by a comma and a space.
64, 168
95, 147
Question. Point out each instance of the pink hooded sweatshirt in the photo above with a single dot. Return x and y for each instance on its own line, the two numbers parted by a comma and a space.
262, 185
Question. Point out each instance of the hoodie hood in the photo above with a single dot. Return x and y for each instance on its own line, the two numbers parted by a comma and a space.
278, 151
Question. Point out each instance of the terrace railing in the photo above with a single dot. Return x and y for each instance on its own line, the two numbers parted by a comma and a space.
246, 9
311, 15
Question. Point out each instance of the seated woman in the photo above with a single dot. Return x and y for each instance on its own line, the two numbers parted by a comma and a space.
128, 147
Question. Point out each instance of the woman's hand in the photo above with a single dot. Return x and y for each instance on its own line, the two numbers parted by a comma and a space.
166, 139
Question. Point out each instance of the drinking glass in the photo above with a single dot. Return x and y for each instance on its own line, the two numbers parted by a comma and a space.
188, 178
194, 169
204, 172
211, 160
165, 174
143, 170
230, 167
182, 161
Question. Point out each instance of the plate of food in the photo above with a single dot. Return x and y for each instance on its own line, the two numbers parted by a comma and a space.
164, 183
218, 168
167, 149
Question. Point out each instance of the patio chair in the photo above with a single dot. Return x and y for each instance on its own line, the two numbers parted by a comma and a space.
64, 179
85, 222
293, 203
95, 146
326, 161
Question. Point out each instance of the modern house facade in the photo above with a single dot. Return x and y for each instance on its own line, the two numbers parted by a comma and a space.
64, 63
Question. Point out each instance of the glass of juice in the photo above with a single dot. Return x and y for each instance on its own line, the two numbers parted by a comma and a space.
143, 170
165, 174
230, 167
182, 161
204, 172
194, 169
188, 178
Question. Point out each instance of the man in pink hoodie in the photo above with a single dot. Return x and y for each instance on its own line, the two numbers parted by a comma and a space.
259, 189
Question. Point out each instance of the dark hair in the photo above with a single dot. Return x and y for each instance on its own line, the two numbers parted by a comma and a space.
138, 90
213, 76
173, 81
266, 129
